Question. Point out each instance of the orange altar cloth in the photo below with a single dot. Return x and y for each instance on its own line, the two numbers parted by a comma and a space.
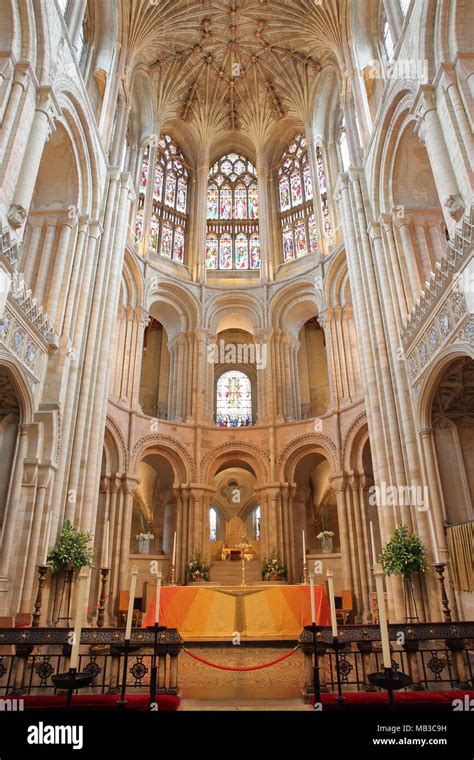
257, 611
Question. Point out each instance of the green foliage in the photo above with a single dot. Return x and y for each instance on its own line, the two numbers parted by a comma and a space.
197, 569
72, 548
404, 554
272, 565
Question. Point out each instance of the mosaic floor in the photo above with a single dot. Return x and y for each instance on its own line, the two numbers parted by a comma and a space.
283, 681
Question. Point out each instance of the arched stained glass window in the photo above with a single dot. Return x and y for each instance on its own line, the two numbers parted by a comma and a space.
295, 191
167, 181
232, 215
212, 524
233, 399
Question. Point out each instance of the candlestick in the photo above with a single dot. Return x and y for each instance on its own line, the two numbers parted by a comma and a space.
49, 519
104, 571
434, 540
387, 657
157, 598
105, 562
304, 549
42, 570
131, 600
81, 595
173, 561
372, 543
332, 601
311, 593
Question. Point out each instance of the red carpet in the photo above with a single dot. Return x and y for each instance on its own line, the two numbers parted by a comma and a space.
405, 700
138, 702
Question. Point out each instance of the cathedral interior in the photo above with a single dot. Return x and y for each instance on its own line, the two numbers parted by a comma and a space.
236, 299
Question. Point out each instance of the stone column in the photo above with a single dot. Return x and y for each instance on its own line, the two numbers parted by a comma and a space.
21, 81
263, 213
362, 547
45, 256
129, 486
339, 484
11, 509
57, 271
30, 252
460, 134
45, 111
430, 131
34, 547
200, 220
404, 225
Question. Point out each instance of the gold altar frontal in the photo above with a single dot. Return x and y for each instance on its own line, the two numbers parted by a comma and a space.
265, 611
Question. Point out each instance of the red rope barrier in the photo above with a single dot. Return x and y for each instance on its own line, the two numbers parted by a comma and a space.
252, 667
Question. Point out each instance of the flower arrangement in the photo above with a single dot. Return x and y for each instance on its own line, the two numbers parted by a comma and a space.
404, 554
71, 549
197, 570
273, 567
325, 534
145, 536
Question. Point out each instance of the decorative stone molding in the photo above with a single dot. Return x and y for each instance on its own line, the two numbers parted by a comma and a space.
455, 206
17, 216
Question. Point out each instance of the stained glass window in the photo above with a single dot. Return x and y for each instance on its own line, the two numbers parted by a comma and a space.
295, 191
232, 215
166, 224
233, 400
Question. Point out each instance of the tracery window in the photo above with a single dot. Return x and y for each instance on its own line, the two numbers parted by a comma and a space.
387, 38
212, 524
323, 194
295, 187
233, 399
167, 183
233, 240
404, 6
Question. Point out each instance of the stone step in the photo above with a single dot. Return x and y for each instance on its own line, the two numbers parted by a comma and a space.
230, 572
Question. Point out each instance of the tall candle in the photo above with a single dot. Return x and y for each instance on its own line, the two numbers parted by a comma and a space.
81, 595
173, 561
311, 593
387, 658
105, 560
131, 600
332, 601
304, 550
157, 597
49, 520
434, 540
372, 543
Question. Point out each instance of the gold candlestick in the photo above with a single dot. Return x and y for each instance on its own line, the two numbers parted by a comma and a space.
244, 545
173, 575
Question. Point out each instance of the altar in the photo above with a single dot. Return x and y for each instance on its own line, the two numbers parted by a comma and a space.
254, 611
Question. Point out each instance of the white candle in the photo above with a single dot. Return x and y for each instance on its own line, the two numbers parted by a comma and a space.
131, 600
304, 550
173, 561
332, 601
387, 659
311, 593
105, 561
49, 520
434, 540
372, 543
157, 598
81, 595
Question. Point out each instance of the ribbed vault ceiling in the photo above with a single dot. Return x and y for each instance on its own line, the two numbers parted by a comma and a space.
233, 64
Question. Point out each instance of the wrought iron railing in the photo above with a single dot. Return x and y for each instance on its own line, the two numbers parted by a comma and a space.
434, 655
29, 657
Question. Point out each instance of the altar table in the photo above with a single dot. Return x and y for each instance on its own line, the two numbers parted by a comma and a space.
256, 611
